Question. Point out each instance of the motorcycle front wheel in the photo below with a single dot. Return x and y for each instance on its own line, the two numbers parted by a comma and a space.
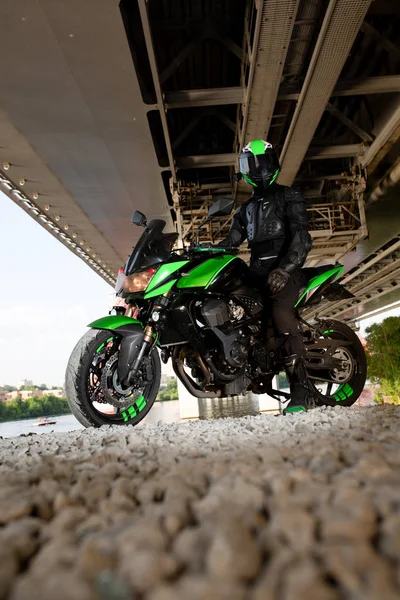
93, 392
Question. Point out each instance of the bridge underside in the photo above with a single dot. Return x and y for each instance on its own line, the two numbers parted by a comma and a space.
144, 105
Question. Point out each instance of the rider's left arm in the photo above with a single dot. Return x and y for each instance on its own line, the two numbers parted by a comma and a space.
301, 242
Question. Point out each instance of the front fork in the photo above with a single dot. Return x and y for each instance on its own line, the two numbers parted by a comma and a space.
133, 350
147, 340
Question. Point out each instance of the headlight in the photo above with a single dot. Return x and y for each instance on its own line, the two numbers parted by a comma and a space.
137, 282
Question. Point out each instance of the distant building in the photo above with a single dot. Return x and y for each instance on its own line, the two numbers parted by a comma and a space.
12, 396
58, 393
28, 394
25, 383
165, 378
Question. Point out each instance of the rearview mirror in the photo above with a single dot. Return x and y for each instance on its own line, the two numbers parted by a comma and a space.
221, 208
138, 218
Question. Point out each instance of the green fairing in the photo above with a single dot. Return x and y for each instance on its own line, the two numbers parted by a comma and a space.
319, 280
257, 147
113, 322
163, 272
160, 290
204, 274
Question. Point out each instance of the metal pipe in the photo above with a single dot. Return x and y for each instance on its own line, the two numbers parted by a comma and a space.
385, 185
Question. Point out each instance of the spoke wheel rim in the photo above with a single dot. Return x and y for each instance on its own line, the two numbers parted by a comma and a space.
94, 390
337, 391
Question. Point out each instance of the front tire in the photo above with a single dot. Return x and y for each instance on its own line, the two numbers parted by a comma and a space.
82, 383
347, 392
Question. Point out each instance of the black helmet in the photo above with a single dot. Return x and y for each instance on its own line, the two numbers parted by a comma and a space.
259, 164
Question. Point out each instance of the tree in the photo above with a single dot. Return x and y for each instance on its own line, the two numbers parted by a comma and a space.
172, 389
170, 392
33, 407
383, 352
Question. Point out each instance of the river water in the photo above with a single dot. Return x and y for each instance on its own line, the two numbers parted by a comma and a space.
166, 412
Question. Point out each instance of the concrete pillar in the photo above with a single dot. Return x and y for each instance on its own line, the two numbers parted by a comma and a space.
188, 404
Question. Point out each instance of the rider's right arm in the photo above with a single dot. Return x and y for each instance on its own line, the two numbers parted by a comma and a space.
237, 232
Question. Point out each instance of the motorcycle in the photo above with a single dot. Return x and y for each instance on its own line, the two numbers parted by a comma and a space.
200, 308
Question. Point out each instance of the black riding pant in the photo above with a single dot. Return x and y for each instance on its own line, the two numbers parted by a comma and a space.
284, 314
282, 308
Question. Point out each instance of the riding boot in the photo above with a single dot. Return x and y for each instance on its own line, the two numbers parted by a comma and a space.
300, 396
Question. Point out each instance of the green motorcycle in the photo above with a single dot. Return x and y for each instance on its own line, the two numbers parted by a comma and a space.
200, 308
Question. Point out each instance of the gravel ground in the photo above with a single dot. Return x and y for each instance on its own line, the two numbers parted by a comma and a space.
257, 508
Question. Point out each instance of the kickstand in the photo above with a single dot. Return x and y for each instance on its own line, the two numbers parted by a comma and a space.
276, 393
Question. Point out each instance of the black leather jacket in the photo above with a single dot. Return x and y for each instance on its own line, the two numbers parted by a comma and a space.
276, 227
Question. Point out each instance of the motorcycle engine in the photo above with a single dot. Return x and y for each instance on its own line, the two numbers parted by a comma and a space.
225, 318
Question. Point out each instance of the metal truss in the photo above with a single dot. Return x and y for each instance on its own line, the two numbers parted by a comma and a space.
374, 278
337, 222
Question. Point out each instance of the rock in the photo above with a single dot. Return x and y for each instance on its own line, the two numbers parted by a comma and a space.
303, 580
142, 536
190, 547
196, 587
8, 570
110, 586
233, 553
66, 521
144, 569
15, 505
257, 508
21, 538
62, 585
389, 541
291, 526
95, 557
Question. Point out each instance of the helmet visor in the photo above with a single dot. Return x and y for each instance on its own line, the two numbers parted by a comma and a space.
258, 167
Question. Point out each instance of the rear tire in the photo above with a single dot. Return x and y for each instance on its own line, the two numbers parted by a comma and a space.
347, 393
77, 387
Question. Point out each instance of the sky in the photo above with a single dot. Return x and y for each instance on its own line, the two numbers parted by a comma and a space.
47, 297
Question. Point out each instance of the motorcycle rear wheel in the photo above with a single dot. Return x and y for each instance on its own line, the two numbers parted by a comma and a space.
85, 397
347, 391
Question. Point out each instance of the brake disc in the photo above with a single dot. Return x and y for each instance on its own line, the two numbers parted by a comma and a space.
112, 391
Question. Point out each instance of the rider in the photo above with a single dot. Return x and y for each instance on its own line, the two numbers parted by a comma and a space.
274, 221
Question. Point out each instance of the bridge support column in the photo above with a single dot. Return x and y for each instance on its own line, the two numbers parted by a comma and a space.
188, 404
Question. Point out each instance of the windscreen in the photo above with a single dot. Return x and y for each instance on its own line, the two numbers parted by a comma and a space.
153, 247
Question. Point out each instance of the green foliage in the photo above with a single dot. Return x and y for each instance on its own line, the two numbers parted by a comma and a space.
283, 382
33, 407
170, 393
7, 388
383, 352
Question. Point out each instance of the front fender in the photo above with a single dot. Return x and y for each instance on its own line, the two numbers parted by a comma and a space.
113, 322
131, 331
